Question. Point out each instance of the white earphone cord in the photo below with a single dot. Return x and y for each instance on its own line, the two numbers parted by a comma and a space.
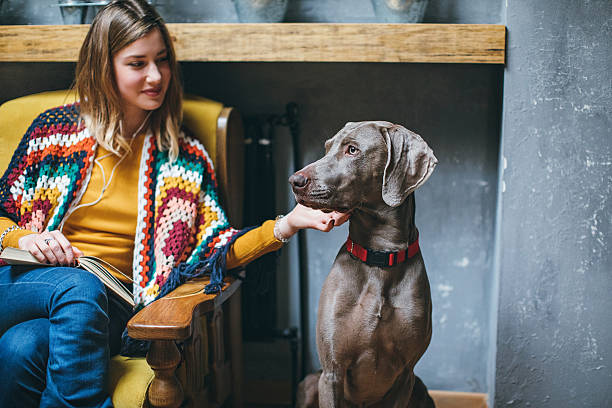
105, 185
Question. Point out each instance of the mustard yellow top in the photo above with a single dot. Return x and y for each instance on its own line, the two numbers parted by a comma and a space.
107, 229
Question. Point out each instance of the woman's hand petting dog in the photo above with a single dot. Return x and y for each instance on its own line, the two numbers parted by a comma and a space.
303, 217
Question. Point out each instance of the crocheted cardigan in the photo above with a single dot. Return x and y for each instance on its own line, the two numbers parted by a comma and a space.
181, 229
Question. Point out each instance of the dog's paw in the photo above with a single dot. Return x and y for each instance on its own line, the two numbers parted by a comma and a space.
308, 392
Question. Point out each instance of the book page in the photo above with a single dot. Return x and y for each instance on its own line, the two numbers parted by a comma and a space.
107, 278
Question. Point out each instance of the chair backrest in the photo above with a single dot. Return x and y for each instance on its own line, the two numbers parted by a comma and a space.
219, 128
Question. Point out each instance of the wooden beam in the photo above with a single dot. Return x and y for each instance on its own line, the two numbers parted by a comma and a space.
285, 42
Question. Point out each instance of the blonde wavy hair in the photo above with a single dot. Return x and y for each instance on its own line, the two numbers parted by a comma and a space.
117, 25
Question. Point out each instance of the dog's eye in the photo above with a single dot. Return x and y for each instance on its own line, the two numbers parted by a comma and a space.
352, 150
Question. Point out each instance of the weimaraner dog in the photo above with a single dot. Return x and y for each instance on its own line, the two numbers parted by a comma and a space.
374, 319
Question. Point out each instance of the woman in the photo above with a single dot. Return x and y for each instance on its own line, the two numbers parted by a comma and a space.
111, 176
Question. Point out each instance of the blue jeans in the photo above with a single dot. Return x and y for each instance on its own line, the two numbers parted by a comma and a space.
54, 344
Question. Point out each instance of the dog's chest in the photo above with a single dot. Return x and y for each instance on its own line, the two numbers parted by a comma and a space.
371, 324
372, 310
380, 314
375, 304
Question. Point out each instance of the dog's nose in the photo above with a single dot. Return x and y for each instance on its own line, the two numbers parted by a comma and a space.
298, 180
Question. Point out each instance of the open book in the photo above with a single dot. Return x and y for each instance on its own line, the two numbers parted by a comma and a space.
97, 266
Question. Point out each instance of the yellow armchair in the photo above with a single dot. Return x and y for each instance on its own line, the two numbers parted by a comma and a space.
206, 371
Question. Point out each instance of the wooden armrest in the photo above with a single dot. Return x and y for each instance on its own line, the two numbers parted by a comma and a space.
171, 317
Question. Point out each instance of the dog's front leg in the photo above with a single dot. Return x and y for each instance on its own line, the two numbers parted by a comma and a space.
331, 388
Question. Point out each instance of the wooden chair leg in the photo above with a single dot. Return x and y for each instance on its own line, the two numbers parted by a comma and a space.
219, 365
165, 390
195, 359
235, 347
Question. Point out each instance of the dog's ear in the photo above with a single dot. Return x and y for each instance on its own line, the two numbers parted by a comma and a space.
410, 162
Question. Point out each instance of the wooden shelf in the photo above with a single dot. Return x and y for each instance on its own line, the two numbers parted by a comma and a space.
285, 42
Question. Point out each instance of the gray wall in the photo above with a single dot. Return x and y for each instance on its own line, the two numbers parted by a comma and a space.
554, 346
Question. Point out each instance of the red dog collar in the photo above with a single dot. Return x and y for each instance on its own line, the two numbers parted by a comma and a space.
381, 258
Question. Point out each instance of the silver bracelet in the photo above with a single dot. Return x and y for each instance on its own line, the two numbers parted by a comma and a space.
6, 231
277, 233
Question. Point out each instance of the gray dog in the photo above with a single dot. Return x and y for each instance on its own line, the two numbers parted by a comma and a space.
374, 319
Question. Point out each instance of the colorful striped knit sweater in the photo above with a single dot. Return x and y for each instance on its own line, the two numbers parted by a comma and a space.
181, 229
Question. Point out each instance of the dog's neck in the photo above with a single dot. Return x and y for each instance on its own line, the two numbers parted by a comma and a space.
384, 228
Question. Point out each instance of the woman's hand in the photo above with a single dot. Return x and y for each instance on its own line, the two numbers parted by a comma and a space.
303, 217
50, 247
